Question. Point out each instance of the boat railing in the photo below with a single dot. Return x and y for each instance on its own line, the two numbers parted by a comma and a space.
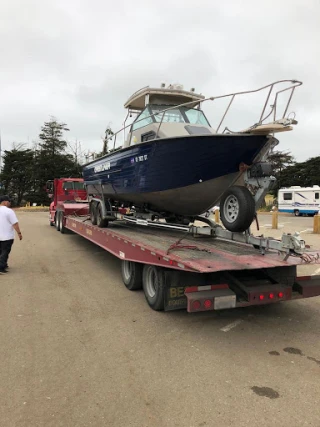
263, 116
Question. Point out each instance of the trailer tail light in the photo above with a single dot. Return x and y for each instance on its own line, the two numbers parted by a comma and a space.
207, 303
261, 297
196, 305
280, 294
210, 297
271, 296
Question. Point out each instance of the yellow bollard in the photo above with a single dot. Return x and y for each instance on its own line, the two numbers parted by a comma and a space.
275, 220
316, 224
217, 216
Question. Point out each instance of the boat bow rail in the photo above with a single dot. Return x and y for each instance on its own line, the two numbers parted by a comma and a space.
280, 120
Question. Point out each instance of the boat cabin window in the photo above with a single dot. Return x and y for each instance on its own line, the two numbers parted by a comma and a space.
142, 120
180, 115
287, 196
173, 115
195, 117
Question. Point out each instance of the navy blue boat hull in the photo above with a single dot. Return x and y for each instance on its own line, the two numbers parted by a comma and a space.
183, 175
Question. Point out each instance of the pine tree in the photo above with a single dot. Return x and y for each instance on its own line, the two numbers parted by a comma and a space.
52, 160
17, 173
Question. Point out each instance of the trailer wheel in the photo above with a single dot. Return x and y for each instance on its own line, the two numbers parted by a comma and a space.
101, 222
153, 282
237, 209
93, 213
131, 273
57, 221
296, 212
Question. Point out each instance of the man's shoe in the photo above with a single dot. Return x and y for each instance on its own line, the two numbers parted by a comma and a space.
3, 271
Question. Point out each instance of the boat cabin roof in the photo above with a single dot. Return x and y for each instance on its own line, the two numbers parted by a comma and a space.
171, 95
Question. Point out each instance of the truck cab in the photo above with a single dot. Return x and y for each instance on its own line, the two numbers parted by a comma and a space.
62, 191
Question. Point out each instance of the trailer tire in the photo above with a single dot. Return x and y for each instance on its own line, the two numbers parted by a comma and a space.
237, 209
296, 212
153, 282
101, 222
93, 213
57, 221
131, 273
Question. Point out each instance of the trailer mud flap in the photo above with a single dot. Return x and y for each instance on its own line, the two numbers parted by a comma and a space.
175, 298
308, 286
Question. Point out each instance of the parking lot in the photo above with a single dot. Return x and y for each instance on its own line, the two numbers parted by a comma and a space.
79, 349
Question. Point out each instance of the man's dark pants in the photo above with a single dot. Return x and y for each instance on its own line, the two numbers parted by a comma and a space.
5, 249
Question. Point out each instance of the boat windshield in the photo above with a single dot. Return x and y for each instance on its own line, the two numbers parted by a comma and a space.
179, 115
195, 117
173, 115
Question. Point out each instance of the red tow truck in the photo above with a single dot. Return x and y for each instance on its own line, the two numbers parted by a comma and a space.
198, 268
69, 196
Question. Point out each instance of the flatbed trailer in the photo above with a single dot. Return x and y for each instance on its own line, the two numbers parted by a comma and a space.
178, 270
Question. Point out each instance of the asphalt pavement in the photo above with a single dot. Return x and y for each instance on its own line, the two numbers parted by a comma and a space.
79, 349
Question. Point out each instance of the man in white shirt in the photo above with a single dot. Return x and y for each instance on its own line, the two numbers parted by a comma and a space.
8, 224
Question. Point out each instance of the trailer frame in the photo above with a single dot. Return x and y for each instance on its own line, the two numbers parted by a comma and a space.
197, 272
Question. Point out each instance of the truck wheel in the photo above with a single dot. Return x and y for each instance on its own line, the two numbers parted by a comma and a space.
237, 209
131, 273
93, 213
62, 228
101, 222
153, 282
57, 221
296, 212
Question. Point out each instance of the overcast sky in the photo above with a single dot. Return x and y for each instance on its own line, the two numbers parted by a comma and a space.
80, 60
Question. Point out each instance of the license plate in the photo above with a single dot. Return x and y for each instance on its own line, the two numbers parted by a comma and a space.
226, 301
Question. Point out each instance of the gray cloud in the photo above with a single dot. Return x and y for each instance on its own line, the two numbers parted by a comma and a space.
81, 60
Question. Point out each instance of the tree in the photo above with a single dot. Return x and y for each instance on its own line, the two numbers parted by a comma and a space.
280, 160
17, 173
305, 174
51, 159
52, 144
107, 137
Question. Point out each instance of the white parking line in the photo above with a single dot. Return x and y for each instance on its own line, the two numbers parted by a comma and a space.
231, 326
304, 231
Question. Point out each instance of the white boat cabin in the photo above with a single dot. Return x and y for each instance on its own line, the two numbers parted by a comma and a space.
161, 115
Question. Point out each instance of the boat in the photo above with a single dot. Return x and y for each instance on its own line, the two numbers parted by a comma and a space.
174, 163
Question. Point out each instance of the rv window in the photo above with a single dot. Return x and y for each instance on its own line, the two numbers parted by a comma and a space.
287, 196
316, 196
